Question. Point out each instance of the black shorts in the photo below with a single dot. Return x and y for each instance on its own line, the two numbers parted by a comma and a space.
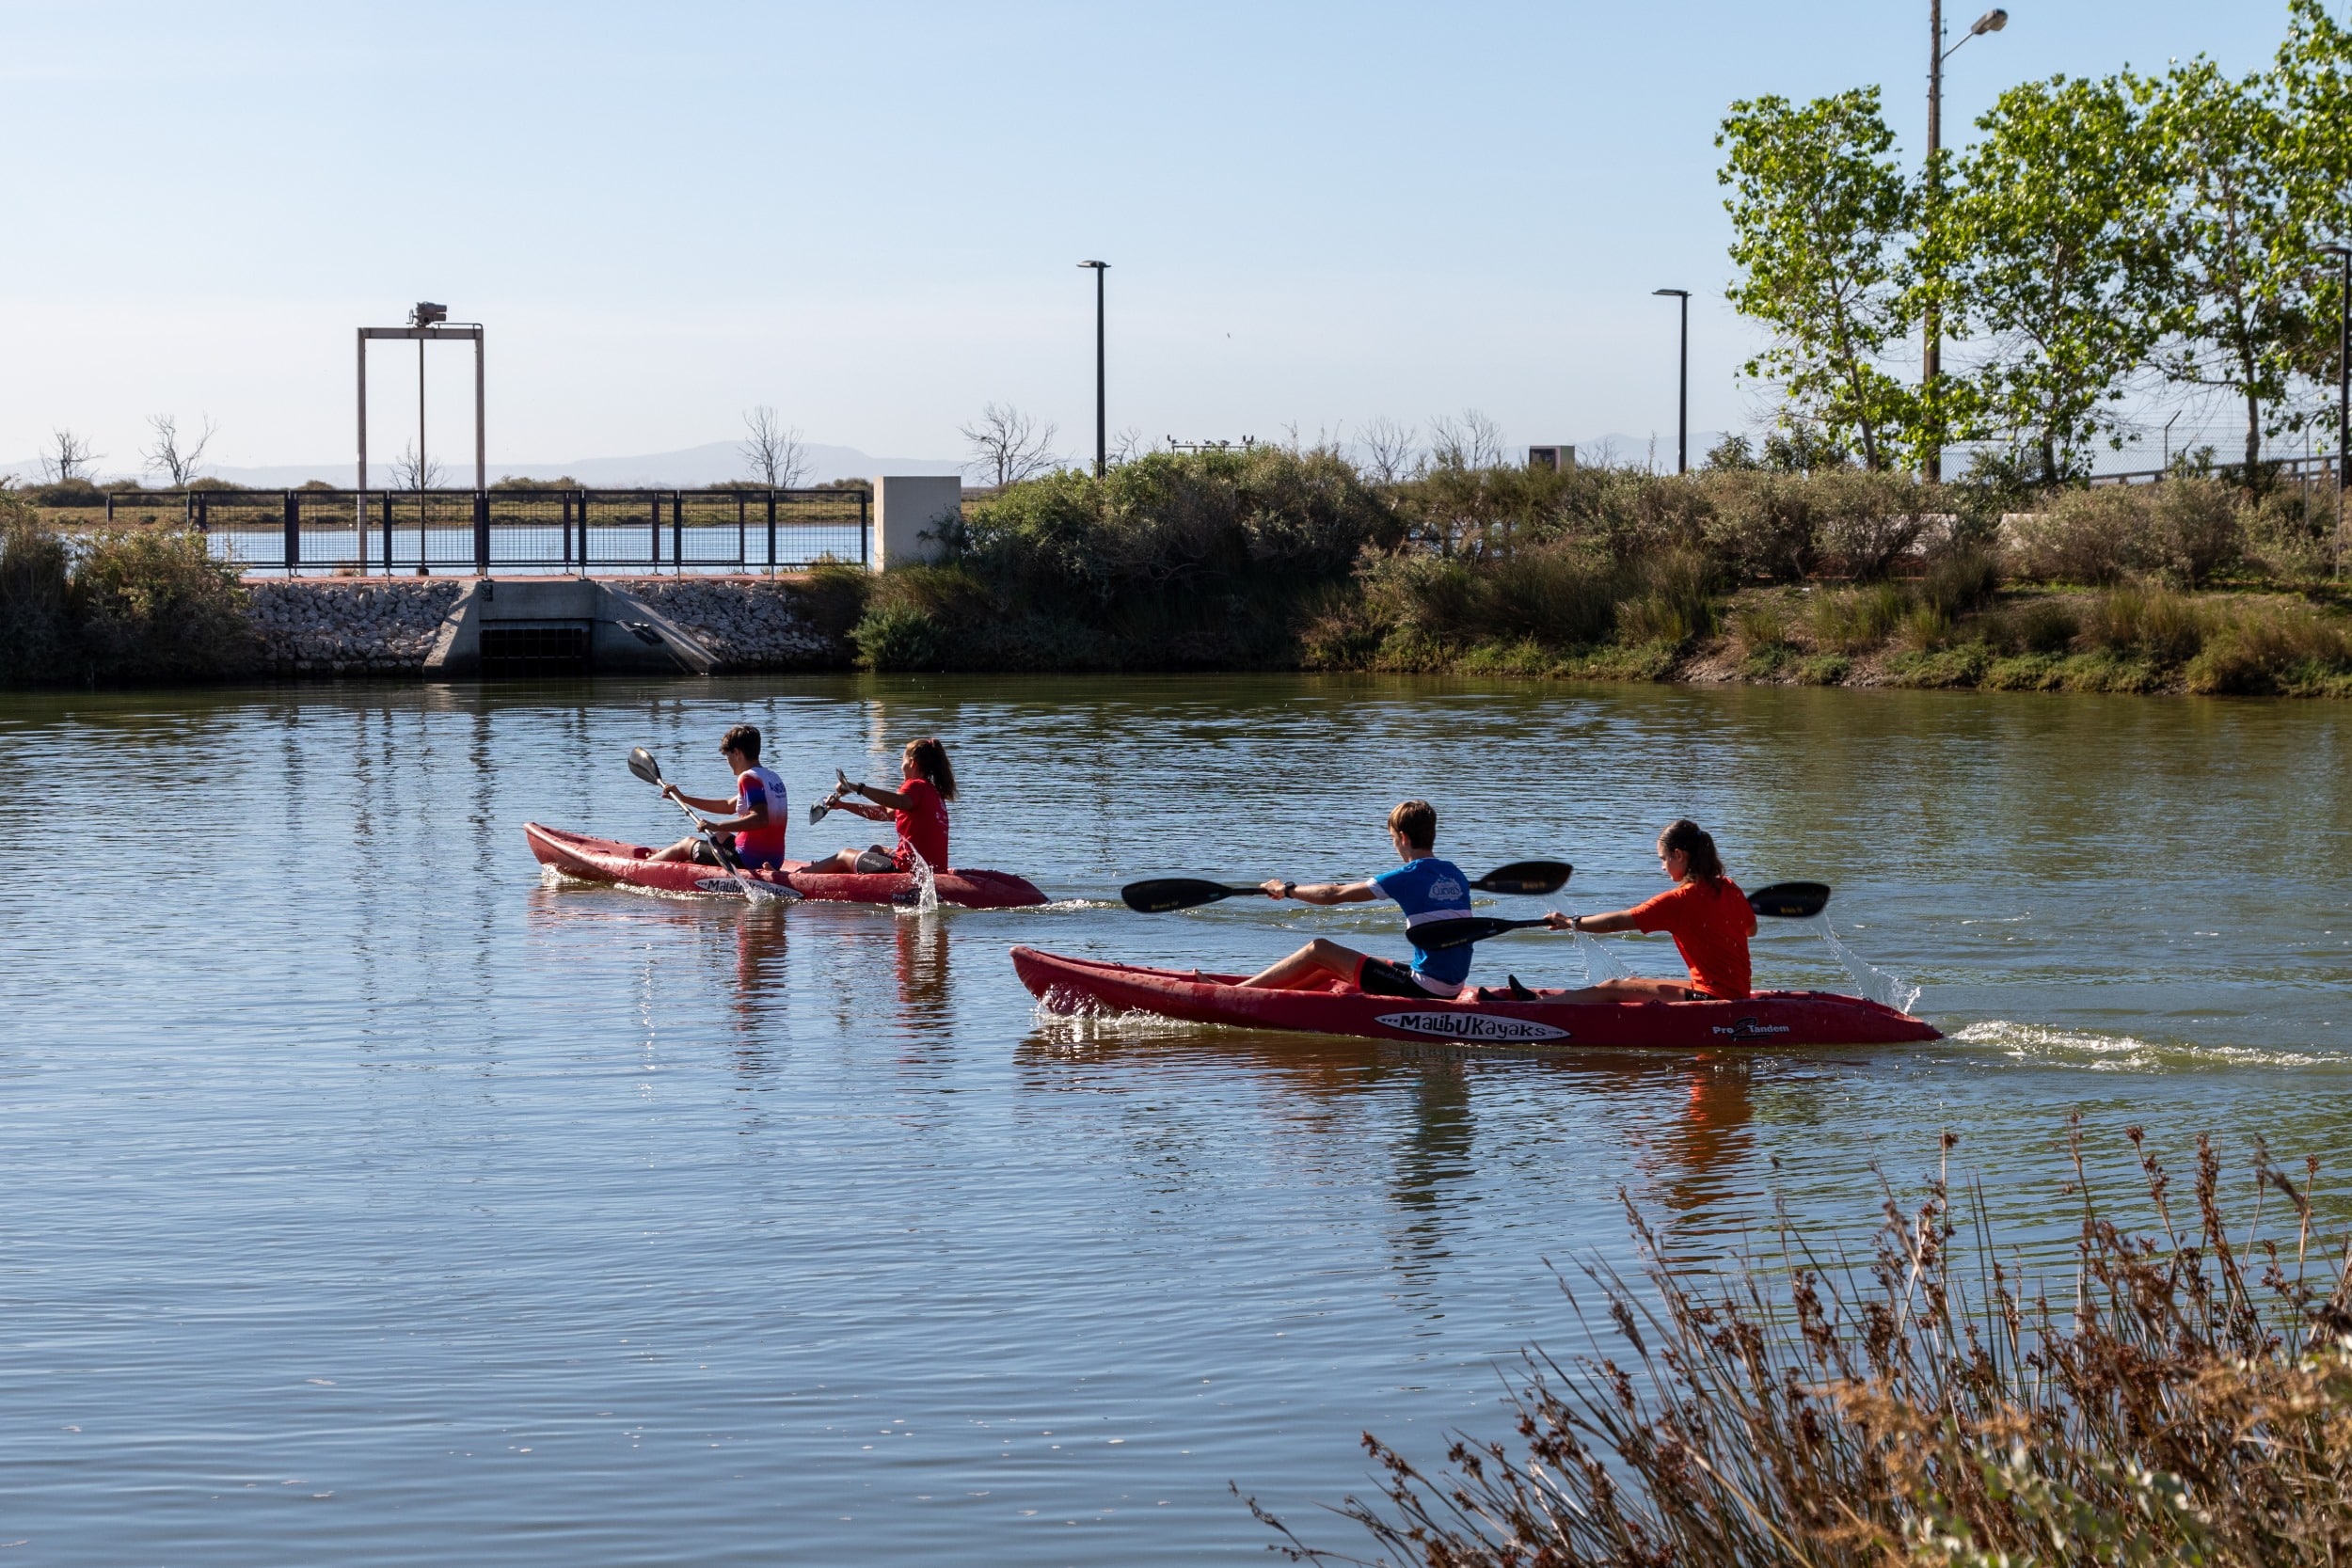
1387, 977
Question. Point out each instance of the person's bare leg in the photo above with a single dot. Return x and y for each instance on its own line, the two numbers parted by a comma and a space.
1317, 963
840, 860
1627, 990
682, 850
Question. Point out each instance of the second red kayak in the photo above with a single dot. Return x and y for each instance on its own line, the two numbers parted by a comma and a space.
1769, 1018
604, 860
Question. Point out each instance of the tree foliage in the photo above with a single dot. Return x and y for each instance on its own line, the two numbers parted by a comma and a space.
1819, 211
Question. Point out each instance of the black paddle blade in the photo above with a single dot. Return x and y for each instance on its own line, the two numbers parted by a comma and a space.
642, 764
1439, 935
1791, 900
1163, 894
1533, 878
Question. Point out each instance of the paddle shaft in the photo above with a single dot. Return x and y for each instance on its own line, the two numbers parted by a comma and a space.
1781, 901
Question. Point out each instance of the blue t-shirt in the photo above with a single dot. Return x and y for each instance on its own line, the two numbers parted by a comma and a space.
1428, 890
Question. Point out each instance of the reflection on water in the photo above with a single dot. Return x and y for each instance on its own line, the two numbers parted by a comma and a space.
471, 1217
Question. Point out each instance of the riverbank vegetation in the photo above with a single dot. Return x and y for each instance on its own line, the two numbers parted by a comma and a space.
2173, 1386
133, 606
1276, 558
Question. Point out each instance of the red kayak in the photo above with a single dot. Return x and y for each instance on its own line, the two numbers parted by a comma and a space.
605, 860
1772, 1017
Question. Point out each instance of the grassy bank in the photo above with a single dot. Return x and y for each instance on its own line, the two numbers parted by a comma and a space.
1275, 558
2177, 1390
135, 607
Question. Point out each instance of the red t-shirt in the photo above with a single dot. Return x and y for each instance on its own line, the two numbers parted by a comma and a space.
1711, 926
922, 826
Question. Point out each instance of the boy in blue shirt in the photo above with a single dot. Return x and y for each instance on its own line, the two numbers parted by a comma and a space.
1428, 889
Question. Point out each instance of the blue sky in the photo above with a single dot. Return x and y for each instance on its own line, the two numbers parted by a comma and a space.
869, 216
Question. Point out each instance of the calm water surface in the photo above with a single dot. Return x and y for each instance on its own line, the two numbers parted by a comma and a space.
370, 1201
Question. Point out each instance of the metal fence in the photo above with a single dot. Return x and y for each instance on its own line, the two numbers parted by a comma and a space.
583, 531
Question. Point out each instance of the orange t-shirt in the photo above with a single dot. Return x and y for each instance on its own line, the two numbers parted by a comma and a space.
1710, 927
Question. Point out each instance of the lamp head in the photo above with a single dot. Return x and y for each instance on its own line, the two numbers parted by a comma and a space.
1990, 21
427, 314
1677, 293
2334, 250
1099, 266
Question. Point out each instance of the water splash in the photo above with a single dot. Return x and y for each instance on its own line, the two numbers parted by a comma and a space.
2122, 1053
926, 899
1600, 963
1886, 989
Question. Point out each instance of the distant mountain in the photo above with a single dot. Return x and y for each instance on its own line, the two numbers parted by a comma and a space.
694, 465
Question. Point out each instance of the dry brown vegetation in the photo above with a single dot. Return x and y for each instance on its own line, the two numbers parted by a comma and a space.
2178, 1390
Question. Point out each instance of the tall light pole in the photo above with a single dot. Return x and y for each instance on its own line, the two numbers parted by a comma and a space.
1682, 404
1931, 361
1102, 430
2344, 386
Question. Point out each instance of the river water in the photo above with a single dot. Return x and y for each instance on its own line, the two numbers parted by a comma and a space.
370, 1201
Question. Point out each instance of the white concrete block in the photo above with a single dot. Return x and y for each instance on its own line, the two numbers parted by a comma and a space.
908, 512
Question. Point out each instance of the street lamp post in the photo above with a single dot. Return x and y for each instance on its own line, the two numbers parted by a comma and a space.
1931, 360
2344, 382
1682, 404
1101, 432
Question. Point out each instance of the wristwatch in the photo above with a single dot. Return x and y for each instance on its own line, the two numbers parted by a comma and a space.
1290, 890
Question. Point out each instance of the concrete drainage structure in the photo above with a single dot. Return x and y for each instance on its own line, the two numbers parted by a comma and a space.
562, 626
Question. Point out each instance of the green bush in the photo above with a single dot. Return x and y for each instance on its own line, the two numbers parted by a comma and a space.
1868, 521
154, 606
899, 637
2290, 535
2193, 530
2155, 625
37, 631
2035, 627
1961, 581
2093, 537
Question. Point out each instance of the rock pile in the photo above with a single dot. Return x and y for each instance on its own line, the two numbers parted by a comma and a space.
328, 627
750, 624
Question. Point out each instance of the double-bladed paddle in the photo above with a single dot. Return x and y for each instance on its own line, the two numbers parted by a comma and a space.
642, 764
1781, 901
817, 811
1533, 878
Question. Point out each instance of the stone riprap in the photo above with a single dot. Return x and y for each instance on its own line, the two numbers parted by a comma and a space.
378, 625
747, 623
350, 627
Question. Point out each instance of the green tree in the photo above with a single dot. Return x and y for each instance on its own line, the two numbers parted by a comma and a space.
2313, 77
1819, 210
2238, 242
2049, 248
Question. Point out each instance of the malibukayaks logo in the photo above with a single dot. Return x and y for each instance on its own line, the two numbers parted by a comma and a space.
1749, 1029
1471, 1027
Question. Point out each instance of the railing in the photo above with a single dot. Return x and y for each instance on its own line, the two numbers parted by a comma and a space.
581, 531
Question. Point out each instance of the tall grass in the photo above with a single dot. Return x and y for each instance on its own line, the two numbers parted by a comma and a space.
2178, 1390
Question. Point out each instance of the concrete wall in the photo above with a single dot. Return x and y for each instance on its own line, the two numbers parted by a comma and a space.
907, 510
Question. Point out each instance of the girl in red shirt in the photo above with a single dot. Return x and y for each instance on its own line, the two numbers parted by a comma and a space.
918, 806
1705, 911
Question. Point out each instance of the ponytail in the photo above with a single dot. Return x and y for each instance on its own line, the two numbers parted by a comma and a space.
1694, 841
931, 760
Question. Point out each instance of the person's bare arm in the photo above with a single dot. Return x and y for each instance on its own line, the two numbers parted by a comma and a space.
1594, 924
888, 798
699, 802
1321, 892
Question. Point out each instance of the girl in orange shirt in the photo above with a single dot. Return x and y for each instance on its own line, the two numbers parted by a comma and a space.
1705, 911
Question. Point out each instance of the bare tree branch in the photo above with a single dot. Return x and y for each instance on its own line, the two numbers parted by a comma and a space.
1008, 447
405, 470
167, 457
773, 450
1390, 450
69, 457
1473, 441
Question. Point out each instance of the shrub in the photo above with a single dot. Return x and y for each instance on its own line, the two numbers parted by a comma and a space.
2290, 535
1759, 628
35, 624
1924, 626
833, 595
1764, 525
2174, 1391
154, 606
897, 637
2086, 536
2037, 627
2193, 530
1868, 521
1559, 595
2268, 648
1856, 620
1675, 602
1961, 581
2161, 626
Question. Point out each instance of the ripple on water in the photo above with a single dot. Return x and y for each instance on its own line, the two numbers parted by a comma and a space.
2123, 1052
